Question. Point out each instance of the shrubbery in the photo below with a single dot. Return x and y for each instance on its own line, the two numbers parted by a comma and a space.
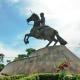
15, 77
1, 66
50, 76
43, 76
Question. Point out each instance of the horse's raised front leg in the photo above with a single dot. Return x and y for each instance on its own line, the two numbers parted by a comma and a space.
48, 43
26, 41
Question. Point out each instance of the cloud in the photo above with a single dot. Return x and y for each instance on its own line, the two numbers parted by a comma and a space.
65, 12
8, 52
12, 1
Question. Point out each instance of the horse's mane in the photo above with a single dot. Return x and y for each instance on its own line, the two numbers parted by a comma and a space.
37, 17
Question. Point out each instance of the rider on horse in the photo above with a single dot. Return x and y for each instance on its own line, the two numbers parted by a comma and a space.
42, 21
43, 32
39, 25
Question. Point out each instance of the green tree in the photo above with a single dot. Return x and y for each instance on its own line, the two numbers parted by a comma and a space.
1, 57
20, 56
1, 66
30, 51
8, 61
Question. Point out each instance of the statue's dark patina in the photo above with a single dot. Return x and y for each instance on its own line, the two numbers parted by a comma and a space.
43, 32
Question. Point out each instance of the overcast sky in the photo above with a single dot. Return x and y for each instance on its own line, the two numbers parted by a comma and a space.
62, 15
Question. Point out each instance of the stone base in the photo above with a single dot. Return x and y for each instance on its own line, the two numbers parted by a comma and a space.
44, 60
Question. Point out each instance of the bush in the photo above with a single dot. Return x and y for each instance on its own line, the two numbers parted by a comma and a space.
49, 76
1, 66
15, 77
42, 76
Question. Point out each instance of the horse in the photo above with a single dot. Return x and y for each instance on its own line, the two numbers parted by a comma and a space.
43, 32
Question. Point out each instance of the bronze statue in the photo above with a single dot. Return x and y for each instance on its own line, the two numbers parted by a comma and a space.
45, 32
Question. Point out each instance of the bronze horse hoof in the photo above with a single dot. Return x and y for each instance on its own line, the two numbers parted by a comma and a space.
26, 42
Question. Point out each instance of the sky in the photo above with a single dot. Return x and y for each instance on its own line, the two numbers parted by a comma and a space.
62, 15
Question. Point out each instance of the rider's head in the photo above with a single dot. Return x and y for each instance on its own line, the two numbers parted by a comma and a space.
42, 14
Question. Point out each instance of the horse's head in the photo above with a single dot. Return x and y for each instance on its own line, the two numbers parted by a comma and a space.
33, 17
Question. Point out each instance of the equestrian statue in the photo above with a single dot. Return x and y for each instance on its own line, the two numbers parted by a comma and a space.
42, 31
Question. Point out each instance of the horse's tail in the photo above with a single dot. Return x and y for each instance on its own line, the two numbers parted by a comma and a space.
60, 39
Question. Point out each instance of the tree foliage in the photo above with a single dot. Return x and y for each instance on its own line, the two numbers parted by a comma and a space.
30, 51
1, 57
1, 66
8, 61
20, 56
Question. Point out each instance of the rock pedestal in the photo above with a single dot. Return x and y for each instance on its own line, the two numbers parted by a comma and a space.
43, 60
